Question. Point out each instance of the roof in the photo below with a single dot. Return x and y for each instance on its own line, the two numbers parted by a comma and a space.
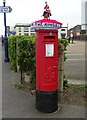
48, 21
22, 25
75, 27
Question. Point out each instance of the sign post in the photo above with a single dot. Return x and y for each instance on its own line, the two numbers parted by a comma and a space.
5, 9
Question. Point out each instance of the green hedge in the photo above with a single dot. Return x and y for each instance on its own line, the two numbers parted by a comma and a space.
12, 52
22, 54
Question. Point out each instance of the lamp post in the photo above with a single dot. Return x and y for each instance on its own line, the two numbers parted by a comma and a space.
6, 59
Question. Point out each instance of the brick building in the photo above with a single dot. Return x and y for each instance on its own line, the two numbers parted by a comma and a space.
76, 31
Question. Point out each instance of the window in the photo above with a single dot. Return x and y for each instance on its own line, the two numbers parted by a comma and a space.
26, 29
32, 29
32, 34
19, 29
19, 33
62, 29
26, 34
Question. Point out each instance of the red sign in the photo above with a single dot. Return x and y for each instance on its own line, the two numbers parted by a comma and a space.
46, 24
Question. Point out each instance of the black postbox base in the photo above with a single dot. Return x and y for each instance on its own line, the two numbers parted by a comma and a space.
47, 102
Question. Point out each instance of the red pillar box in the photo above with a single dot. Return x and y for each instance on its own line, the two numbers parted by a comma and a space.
46, 64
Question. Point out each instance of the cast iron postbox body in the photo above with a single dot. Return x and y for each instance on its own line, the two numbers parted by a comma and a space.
47, 70
46, 64
47, 60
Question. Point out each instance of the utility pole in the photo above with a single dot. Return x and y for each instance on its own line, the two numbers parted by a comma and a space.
6, 59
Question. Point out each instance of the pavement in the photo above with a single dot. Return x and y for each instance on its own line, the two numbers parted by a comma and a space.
19, 104
74, 67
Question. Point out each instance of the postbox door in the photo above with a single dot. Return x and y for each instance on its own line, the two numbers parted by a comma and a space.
51, 66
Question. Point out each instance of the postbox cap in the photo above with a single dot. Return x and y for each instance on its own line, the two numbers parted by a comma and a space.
46, 24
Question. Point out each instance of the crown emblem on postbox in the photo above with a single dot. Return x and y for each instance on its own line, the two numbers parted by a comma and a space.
46, 24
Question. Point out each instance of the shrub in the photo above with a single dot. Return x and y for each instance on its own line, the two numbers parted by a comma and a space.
12, 52
22, 54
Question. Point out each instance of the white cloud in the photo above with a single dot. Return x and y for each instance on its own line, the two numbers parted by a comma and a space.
65, 11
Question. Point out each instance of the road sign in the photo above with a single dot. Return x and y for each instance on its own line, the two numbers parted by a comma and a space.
6, 9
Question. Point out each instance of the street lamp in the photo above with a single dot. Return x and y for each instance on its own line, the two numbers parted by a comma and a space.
5, 36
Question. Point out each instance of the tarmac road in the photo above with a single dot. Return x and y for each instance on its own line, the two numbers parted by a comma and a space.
18, 104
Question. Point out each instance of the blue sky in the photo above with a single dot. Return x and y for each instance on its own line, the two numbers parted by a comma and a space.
27, 11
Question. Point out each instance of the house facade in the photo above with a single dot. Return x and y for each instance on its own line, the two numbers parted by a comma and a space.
10, 31
25, 29
75, 31
22, 29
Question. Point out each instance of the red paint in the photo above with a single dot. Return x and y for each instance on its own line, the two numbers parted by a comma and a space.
48, 21
46, 67
46, 7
